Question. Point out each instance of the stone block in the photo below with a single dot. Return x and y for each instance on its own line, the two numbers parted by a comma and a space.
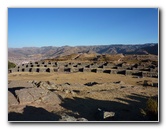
99, 70
23, 96
49, 65
121, 68
55, 69
29, 95
12, 70
75, 69
26, 69
109, 64
61, 69
128, 72
42, 69
149, 74
133, 68
51, 70
86, 70
113, 71
94, 66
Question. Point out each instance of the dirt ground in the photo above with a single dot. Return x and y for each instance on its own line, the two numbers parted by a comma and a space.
78, 77
126, 97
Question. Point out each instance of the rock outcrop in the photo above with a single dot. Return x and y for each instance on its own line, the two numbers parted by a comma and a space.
39, 92
11, 99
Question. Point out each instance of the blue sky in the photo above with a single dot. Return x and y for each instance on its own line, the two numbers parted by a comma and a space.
36, 27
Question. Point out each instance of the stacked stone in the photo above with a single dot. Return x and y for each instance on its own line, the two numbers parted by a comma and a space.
101, 67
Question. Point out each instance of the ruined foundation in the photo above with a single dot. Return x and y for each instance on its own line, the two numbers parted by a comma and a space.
96, 67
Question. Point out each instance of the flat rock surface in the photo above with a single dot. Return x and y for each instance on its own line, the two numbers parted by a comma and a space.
24, 96
51, 98
19, 83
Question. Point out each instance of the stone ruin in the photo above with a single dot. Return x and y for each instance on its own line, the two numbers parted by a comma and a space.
141, 70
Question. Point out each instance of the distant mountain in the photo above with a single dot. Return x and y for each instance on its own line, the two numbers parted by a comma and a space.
18, 55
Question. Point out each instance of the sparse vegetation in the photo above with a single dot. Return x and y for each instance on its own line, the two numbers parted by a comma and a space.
152, 106
151, 110
11, 65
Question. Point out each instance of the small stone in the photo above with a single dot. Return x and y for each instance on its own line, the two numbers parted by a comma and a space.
50, 83
82, 119
108, 114
123, 87
67, 83
120, 82
91, 83
66, 117
104, 115
148, 83
66, 91
73, 93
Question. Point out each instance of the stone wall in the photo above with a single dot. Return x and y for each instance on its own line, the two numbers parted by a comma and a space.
96, 67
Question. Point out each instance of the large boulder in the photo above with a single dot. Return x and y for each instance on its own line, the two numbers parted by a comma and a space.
51, 98
37, 93
29, 95
24, 96
12, 99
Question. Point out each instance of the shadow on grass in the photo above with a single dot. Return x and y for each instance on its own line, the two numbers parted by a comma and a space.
33, 114
127, 109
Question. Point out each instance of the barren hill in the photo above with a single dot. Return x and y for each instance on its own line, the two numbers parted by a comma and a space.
25, 54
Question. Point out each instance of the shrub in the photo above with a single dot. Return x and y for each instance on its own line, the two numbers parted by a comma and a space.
11, 65
151, 109
152, 106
